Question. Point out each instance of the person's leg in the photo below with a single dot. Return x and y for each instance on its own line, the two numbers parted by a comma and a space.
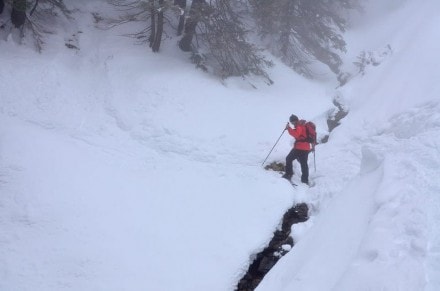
289, 161
302, 158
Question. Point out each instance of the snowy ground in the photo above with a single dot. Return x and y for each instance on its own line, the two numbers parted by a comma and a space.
124, 170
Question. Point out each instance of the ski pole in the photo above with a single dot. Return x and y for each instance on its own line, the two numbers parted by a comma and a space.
273, 146
314, 158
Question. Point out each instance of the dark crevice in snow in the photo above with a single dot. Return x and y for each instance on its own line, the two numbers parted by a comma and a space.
334, 117
280, 244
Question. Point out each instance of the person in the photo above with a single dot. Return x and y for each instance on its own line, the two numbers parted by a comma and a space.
300, 150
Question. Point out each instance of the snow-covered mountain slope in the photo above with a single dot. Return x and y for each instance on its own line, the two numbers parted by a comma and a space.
379, 229
126, 170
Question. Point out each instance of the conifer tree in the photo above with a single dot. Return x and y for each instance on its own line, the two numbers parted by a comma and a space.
222, 43
34, 18
302, 31
154, 13
212, 32
40, 18
216, 32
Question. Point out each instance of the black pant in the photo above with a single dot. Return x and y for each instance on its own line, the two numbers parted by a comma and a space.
302, 157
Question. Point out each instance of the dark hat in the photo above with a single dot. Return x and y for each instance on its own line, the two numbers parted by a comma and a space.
293, 118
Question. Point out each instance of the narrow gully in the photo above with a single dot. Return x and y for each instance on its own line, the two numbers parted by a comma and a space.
281, 242
279, 245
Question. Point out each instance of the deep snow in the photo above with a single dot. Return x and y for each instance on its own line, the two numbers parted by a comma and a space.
126, 170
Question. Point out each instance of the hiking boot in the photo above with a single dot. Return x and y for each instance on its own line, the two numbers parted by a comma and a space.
287, 176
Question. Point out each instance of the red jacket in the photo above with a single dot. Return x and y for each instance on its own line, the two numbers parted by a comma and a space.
299, 133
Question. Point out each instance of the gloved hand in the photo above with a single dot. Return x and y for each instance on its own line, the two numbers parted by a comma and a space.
287, 126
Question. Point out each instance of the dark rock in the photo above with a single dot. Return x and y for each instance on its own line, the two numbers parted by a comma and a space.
71, 46
274, 166
302, 212
336, 116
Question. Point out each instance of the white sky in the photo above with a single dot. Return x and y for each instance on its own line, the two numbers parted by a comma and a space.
126, 170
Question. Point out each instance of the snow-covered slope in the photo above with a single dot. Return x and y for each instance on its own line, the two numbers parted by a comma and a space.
126, 170
380, 229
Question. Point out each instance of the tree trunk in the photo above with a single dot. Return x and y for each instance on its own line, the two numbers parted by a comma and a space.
152, 37
191, 24
286, 18
159, 30
18, 14
182, 5
2, 5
